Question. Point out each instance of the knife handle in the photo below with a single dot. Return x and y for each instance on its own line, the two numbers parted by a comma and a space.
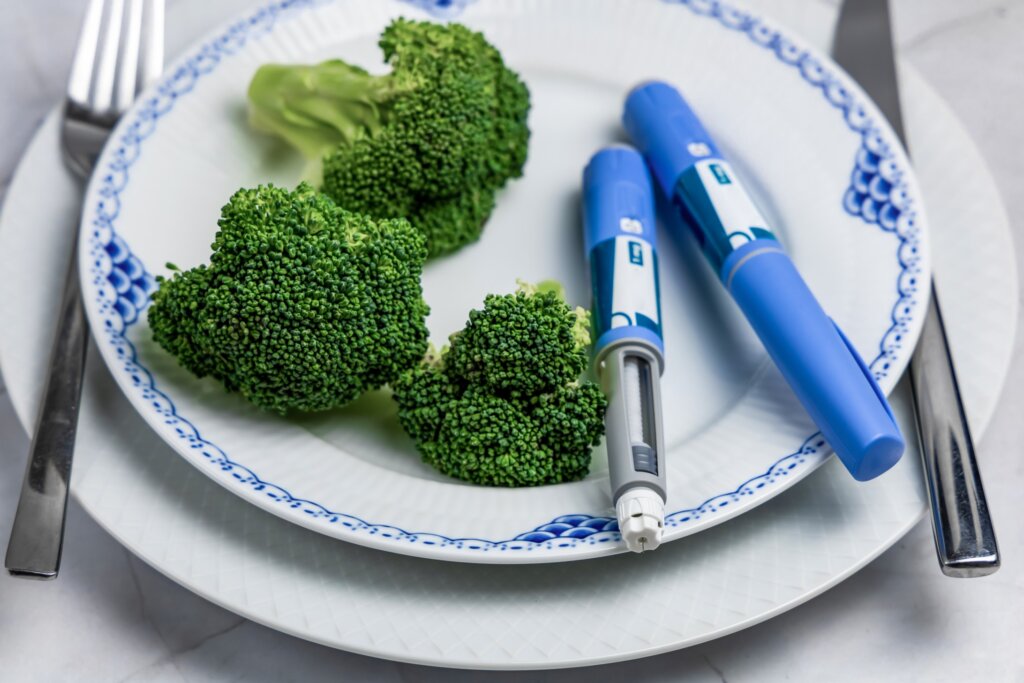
964, 538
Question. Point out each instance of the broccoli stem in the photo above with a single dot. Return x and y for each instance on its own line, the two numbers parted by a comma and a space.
318, 107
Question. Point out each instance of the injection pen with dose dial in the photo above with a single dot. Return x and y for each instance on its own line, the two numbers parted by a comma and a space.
618, 228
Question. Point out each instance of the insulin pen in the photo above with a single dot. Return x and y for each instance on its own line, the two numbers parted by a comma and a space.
826, 373
618, 229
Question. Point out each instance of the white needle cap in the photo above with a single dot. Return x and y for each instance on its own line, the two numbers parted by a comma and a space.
641, 514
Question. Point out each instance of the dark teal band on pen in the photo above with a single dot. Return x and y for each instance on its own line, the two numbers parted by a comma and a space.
693, 200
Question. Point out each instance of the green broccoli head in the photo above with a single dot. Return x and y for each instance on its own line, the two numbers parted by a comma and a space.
303, 306
503, 404
432, 141
523, 344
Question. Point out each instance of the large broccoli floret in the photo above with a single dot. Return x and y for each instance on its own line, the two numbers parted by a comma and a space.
303, 306
503, 404
432, 141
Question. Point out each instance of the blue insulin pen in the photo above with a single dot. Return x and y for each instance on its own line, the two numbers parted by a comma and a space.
826, 373
618, 234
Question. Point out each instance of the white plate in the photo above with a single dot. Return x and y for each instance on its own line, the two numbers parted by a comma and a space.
703, 587
812, 147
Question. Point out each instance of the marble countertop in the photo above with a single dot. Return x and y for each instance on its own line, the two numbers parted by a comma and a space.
110, 617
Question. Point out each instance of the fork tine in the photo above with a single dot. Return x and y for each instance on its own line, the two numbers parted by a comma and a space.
101, 96
128, 56
151, 58
80, 80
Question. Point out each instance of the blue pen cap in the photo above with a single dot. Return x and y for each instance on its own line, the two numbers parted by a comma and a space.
619, 238
617, 185
828, 376
666, 130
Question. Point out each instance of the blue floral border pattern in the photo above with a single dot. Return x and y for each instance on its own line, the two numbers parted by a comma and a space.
122, 287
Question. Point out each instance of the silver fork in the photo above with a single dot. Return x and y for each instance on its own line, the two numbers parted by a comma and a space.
120, 50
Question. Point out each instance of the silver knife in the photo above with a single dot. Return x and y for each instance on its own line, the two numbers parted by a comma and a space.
964, 538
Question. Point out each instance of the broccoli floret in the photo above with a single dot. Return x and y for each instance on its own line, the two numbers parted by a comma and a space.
303, 306
503, 404
522, 344
432, 141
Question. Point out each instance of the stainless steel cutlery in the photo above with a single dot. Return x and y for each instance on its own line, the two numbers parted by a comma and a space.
120, 50
964, 537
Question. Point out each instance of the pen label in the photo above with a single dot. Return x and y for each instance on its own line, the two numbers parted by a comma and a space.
718, 209
626, 268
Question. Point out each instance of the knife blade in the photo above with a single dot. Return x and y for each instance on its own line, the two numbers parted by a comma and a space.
965, 540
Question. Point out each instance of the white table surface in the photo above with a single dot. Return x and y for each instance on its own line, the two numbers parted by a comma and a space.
110, 617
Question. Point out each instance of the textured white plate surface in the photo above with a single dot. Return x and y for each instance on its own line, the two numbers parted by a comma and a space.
813, 149
706, 586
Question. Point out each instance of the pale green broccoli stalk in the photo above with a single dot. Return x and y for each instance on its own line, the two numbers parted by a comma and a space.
432, 141
503, 404
319, 107
303, 306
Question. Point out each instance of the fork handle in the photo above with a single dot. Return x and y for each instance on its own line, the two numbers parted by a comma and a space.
37, 536
964, 538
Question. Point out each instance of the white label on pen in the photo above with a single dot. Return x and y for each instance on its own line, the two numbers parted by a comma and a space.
635, 293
